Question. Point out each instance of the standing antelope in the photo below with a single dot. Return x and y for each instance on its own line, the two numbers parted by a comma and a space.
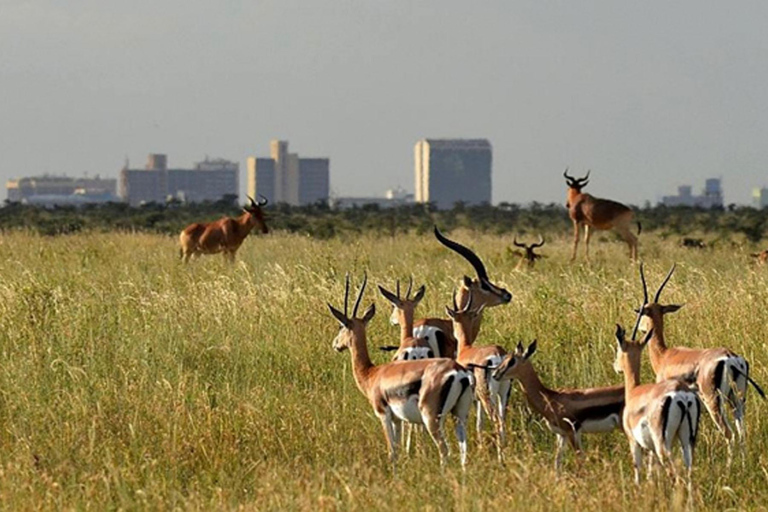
224, 235
721, 374
529, 256
594, 213
568, 412
492, 395
421, 392
402, 314
656, 414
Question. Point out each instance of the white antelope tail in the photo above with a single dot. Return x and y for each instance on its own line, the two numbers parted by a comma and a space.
456, 398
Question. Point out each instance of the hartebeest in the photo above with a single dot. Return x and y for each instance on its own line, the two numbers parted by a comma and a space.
600, 214
224, 235
656, 414
421, 392
528, 254
567, 412
720, 373
492, 395
402, 314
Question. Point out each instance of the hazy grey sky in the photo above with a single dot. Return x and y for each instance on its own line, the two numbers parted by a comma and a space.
649, 95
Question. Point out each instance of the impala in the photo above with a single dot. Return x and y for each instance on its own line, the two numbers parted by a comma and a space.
721, 374
597, 214
656, 414
528, 254
567, 412
492, 395
420, 392
224, 235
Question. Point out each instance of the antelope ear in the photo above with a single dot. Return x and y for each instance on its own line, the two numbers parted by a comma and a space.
620, 333
369, 313
419, 294
391, 297
519, 349
343, 320
531, 350
670, 308
467, 281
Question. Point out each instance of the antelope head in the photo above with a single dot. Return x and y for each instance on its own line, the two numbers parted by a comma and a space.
574, 186
256, 214
485, 293
651, 314
529, 255
628, 352
511, 365
402, 306
351, 327
464, 318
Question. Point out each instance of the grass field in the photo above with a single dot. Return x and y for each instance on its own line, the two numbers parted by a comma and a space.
130, 381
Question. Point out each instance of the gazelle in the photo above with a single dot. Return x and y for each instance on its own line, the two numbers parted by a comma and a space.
721, 374
492, 395
600, 214
568, 412
410, 347
528, 254
421, 392
656, 414
224, 235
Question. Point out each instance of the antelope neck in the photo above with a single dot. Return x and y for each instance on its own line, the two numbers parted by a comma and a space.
631, 366
657, 346
535, 392
361, 361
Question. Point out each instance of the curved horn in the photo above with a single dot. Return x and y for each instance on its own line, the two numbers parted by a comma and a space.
398, 288
410, 286
262, 200
541, 242
518, 244
253, 203
467, 253
455, 306
637, 322
360, 295
469, 303
645, 286
566, 176
581, 181
346, 297
666, 280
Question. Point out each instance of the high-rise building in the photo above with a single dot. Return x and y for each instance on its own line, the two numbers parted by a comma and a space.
209, 180
453, 170
61, 190
760, 197
286, 178
712, 195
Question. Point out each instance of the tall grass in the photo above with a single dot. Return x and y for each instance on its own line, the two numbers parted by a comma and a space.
131, 381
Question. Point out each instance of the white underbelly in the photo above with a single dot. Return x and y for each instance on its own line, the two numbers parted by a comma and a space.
414, 353
407, 410
642, 434
602, 425
429, 332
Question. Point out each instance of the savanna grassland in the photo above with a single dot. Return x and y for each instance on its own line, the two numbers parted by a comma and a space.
131, 381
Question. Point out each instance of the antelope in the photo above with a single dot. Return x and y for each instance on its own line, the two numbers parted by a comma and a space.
491, 395
655, 414
403, 311
597, 214
567, 412
529, 256
420, 392
224, 235
720, 374
760, 257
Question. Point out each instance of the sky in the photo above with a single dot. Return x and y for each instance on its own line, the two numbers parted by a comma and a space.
648, 95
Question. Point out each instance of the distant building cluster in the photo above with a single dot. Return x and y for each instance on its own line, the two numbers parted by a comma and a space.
209, 180
391, 199
453, 170
61, 190
712, 196
286, 178
760, 197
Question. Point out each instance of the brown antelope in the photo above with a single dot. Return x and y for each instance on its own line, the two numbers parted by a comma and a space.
600, 214
492, 395
528, 255
421, 392
568, 412
402, 314
656, 414
760, 257
224, 235
721, 374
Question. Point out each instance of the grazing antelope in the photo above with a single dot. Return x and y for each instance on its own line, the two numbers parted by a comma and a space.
600, 214
421, 392
492, 395
760, 257
720, 374
568, 412
224, 235
693, 243
656, 414
528, 256
402, 314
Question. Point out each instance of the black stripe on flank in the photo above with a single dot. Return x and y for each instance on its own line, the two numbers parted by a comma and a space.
599, 412
665, 418
441, 340
698, 417
444, 392
405, 391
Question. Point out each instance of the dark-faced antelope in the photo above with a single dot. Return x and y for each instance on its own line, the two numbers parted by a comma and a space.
721, 374
600, 214
224, 235
655, 415
568, 412
402, 314
760, 257
528, 254
492, 395
420, 392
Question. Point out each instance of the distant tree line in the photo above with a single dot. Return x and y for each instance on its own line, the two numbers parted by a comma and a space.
320, 221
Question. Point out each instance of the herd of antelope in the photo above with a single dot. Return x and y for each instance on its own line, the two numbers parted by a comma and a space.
439, 368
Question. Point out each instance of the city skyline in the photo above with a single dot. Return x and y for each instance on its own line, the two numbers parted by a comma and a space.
648, 96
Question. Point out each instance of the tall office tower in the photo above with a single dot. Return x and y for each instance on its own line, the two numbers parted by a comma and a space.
286, 178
